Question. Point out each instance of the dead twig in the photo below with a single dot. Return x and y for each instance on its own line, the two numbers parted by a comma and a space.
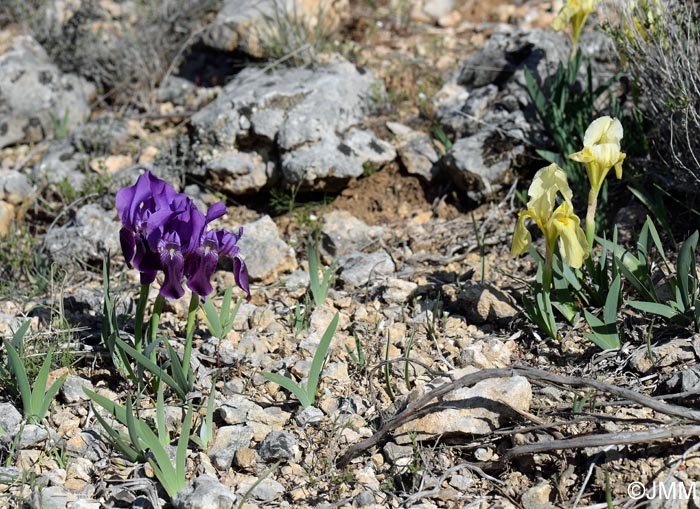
605, 439
425, 404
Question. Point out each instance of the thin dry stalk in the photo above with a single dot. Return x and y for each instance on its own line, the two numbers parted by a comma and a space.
427, 404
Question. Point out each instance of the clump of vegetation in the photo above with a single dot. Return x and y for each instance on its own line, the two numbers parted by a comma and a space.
660, 44
126, 53
297, 36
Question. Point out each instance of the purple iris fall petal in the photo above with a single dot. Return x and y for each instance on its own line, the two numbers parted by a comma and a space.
173, 265
147, 277
240, 274
203, 268
128, 243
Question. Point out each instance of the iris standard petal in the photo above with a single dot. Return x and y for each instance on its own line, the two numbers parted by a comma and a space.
614, 133
606, 155
216, 211
597, 131
227, 242
546, 183
124, 199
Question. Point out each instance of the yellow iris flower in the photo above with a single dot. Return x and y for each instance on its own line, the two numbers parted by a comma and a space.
601, 150
555, 222
574, 12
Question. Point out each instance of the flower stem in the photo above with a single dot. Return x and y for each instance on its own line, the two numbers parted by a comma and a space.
140, 311
590, 217
547, 269
155, 318
191, 319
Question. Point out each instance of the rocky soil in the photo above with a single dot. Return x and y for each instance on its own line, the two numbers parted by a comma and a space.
397, 147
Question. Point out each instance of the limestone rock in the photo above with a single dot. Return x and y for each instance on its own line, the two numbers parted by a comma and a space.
537, 497
7, 217
241, 172
15, 188
10, 419
88, 238
251, 26
357, 269
476, 410
35, 95
267, 254
72, 389
398, 290
483, 304
486, 106
416, 151
205, 493
480, 163
227, 441
342, 233
67, 159
307, 116
278, 445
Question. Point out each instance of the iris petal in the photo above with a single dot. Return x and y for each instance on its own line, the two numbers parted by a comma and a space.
203, 268
240, 274
521, 235
173, 265
128, 243
216, 211
572, 238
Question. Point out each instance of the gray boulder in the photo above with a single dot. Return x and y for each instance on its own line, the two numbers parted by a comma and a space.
205, 493
15, 187
227, 441
416, 151
67, 159
309, 117
269, 254
342, 233
252, 26
487, 108
10, 419
278, 445
479, 164
357, 269
87, 238
36, 98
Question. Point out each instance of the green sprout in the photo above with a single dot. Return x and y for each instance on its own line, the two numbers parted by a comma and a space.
36, 400
307, 395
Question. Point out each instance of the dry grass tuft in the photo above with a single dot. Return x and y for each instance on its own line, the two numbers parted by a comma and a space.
660, 43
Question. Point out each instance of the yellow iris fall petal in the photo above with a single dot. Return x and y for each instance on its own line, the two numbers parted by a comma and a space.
601, 150
555, 222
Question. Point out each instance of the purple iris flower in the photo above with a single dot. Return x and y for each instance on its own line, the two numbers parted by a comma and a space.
201, 266
135, 205
163, 230
179, 242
